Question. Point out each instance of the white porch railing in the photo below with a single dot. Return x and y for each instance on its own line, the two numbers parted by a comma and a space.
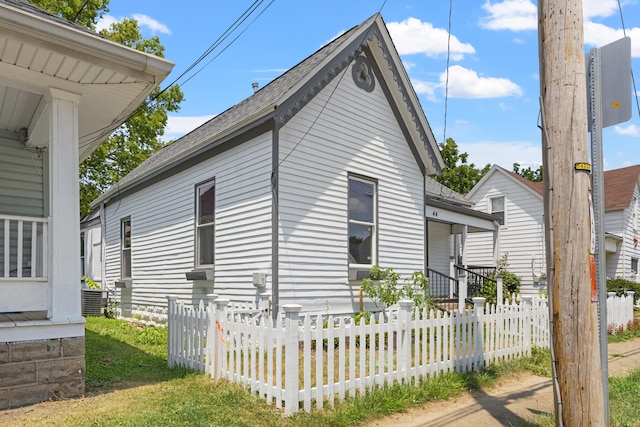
304, 361
23, 247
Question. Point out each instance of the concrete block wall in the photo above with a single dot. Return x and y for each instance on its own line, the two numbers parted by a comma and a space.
35, 371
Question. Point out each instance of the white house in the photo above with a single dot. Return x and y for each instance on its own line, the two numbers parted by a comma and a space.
63, 89
520, 203
289, 196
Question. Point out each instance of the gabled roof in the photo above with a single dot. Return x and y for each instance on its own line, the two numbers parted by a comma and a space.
281, 99
41, 52
535, 188
619, 185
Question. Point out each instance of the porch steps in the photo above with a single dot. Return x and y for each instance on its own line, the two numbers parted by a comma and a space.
448, 305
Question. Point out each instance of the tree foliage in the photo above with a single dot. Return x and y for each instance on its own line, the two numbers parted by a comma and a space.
458, 174
534, 175
138, 137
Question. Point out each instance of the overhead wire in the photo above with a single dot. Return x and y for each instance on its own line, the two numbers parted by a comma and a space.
446, 84
102, 132
324, 106
633, 81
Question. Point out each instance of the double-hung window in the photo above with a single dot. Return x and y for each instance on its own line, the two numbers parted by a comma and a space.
125, 248
205, 222
363, 233
497, 206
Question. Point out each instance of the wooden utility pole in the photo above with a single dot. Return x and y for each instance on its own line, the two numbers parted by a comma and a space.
575, 347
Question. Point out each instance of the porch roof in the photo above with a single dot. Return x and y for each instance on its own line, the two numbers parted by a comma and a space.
450, 212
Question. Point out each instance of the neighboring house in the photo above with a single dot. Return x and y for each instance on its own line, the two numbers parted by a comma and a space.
520, 203
291, 195
63, 89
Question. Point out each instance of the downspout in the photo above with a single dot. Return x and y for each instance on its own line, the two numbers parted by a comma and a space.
426, 224
103, 240
275, 254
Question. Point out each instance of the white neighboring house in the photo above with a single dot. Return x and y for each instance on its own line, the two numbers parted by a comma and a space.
63, 89
289, 196
520, 203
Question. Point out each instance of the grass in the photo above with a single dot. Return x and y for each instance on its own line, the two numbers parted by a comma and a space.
129, 384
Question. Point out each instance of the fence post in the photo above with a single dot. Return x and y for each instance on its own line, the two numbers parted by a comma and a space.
171, 330
499, 292
209, 350
404, 340
629, 307
217, 342
462, 290
478, 339
527, 323
291, 368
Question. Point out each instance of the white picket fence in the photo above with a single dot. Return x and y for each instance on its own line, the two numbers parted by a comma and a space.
619, 311
310, 361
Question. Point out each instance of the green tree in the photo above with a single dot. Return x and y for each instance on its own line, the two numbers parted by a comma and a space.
534, 175
138, 137
458, 174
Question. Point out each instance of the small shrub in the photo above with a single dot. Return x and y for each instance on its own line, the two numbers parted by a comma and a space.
383, 288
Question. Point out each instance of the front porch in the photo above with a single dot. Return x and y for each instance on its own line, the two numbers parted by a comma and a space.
448, 224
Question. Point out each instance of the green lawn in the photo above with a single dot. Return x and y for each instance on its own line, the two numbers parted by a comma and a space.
129, 384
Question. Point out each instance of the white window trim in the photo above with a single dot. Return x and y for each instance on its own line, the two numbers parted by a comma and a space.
198, 226
124, 249
505, 210
375, 225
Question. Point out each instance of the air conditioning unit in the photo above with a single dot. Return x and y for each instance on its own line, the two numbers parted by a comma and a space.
91, 302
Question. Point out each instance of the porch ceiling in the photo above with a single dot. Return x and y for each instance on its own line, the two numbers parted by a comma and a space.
455, 214
39, 51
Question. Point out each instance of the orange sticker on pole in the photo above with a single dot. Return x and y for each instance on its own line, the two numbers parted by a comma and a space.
594, 285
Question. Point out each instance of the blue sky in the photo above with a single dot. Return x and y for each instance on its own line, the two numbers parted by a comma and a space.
493, 90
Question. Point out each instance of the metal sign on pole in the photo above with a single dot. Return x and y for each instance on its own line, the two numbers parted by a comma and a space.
609, 103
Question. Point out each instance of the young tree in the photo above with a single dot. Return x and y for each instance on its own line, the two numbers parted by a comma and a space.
457, 174
534, 175
138, 137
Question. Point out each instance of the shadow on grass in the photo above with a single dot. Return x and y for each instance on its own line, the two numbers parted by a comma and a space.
113, 363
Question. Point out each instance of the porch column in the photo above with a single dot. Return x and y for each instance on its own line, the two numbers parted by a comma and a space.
64, 205
496, 243
465, 231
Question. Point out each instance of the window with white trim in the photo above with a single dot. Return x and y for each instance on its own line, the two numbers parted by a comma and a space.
205, 224
634, 265
363, 244
125, 248
498, 208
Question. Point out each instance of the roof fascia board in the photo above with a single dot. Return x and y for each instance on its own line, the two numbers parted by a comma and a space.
205, 152
83, 43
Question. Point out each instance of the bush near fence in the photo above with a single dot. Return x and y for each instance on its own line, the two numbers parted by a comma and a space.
301, 361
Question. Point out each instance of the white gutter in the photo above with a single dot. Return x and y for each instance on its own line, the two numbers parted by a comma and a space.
54, 33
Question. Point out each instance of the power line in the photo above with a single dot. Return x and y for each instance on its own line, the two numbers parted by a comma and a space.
633, 81
106, 130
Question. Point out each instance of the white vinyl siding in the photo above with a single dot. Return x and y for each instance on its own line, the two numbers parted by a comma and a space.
21, 179
621, 223
523, 237
354, 132
440, 246
163, 216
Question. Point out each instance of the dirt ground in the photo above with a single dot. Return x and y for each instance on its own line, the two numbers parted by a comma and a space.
513, 401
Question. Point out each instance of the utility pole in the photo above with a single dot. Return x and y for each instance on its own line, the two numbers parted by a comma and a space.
575, 352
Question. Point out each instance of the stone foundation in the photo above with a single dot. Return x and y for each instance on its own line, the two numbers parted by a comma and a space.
35, 371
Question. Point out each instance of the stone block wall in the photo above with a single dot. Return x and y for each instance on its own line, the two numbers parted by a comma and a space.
35, 371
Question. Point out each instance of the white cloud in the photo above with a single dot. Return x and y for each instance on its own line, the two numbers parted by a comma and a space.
143, 21
152, 24
514, 15
425, 88
413, 36
599, 8
631, 130
105, 22
505, 154
598, 35
178, 126
465, 83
